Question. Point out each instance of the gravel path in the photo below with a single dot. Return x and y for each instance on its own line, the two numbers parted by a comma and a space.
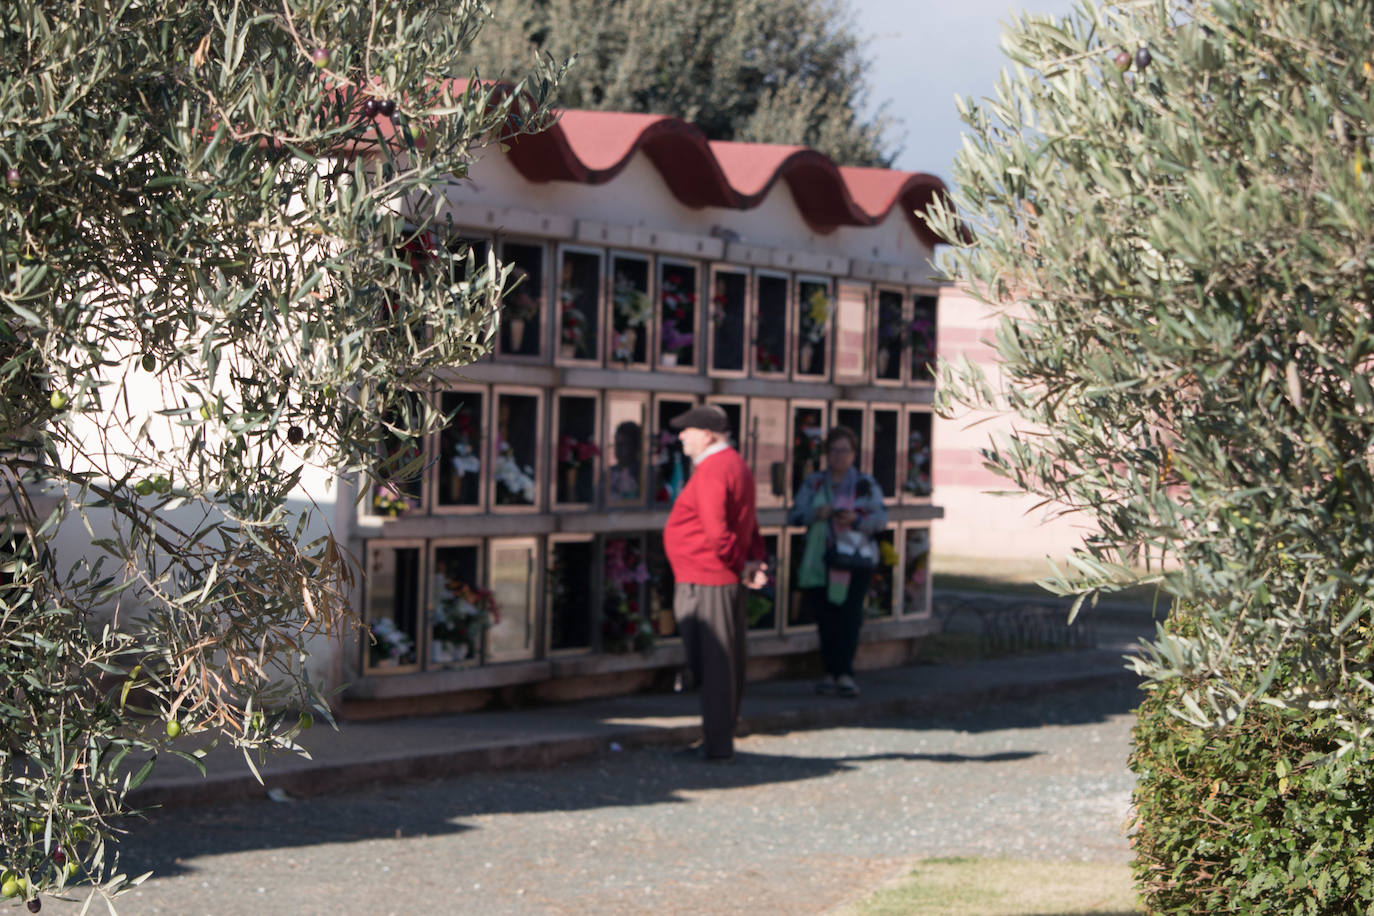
801, 823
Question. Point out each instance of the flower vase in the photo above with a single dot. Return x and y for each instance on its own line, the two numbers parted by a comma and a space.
567, 351
806, 352
570, 484
665, 622
516, 327
668, 359
884, 356
628, 338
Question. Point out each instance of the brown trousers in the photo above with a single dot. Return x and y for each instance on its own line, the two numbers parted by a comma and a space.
712, 621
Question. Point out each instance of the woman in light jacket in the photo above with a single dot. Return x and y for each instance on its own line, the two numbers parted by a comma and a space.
843, 507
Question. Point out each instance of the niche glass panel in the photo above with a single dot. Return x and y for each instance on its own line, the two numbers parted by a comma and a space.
768, 449
625, 459
632, 311
881, 597
511, 573
522, 309
734, 416
660, 586
393, 607
916, 573
579, 307
808, 443
814, 306
917, 479
677, 294
576, 452
625, 626
479, 248
460, 610
571, 589
761, 606
460, 449
885, 448
922, 336
770, 325
852, 418
729, 300
891, 334
515, 461
671, 467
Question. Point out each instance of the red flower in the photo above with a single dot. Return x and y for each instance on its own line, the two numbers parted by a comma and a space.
630, 627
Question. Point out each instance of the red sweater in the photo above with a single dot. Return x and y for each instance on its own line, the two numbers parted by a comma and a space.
713, 531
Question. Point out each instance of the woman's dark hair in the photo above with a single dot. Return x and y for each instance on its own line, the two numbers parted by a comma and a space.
843, 432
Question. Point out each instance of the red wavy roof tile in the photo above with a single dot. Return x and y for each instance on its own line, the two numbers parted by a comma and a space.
592, 147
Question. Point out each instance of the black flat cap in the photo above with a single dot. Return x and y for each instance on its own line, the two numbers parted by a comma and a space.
707, 416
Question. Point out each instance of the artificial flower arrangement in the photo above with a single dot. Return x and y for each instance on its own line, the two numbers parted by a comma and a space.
878, 601
461, 614
390, 646
921, 334
679, 308
765, 360
574, 323
464, 458
917, 465
515, 482
388, 499
633, 310
573, 454
815, 317
624, 625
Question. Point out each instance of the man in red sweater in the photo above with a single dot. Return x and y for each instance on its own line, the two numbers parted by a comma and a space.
713, 544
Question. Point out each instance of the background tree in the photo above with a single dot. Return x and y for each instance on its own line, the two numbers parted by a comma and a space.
221, 265
1177, 194
770, 71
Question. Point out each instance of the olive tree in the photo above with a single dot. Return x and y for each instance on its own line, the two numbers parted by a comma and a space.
1176, 196
222, 268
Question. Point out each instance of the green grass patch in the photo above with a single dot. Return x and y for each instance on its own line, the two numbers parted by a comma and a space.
1005, 887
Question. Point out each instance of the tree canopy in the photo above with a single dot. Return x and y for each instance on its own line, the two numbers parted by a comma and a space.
222, 268
768, 71
1172, 199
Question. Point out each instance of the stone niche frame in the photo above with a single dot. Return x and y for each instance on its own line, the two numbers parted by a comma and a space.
431, 600
887, 324
768, 442
554, 593
502, 560
884, 445
580, 286
519, 251
617, 410
370, 663
773, 317
674, 361
917, 420
590, 474
917, 602
821, 352
804, 447
442, 472
723, 312
641, 347
530, 447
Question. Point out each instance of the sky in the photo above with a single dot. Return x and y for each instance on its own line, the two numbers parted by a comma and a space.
924, 53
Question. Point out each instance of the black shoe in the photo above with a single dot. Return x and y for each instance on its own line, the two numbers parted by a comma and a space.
698, 752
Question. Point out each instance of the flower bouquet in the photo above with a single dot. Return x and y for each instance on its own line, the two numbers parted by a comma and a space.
808, 446
390, 646
632, 310
811, 330
624, 625
514, 481
573, 455
390, 500
461, 614
917, 480
679, 312
575, 326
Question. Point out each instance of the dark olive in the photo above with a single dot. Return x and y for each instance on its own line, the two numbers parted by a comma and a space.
295, 435
35, 905
149, 362
387, 107
370, 108
1142, 58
